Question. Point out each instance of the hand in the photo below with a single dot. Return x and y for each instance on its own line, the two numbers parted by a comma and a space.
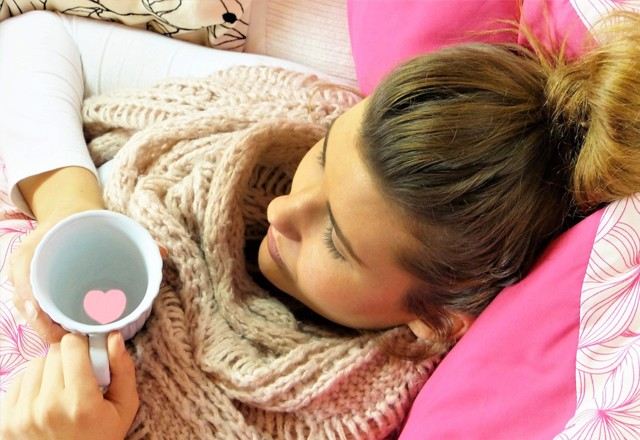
19, 274
52, 196
58, 397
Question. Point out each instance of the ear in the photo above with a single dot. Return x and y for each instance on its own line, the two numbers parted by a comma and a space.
461, 323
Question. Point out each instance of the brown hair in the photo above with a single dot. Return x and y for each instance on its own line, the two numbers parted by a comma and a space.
487, 149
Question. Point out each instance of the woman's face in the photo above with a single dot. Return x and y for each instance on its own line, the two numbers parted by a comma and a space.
333, 239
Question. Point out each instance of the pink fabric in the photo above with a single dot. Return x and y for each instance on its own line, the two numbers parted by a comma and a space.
513, 374
385, 33
553, 22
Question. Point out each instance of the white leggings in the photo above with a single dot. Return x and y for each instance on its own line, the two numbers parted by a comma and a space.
50, 61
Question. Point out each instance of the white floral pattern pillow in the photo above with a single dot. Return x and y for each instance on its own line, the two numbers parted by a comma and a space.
18, 342
222, 24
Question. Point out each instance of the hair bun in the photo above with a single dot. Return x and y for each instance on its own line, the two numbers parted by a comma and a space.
596, 102
567, 113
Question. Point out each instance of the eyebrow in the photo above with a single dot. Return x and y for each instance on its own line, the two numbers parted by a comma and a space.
332, 219
326, 140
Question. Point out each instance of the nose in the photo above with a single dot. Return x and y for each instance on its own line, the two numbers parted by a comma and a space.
293, 213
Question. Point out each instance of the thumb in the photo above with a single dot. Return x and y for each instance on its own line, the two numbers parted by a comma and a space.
122, 391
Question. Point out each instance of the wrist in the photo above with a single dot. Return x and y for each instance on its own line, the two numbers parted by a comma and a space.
64, 210
56, 194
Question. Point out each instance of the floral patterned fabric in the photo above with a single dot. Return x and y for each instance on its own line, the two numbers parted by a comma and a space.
18, 342
608, 353
222, 24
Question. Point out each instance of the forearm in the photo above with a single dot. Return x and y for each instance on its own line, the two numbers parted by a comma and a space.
55, 194
41, 140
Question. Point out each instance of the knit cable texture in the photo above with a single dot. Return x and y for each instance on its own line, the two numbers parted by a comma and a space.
196, 162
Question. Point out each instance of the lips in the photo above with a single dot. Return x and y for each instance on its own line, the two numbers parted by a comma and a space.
273, 248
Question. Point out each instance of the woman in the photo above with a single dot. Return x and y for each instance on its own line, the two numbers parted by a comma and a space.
466, 156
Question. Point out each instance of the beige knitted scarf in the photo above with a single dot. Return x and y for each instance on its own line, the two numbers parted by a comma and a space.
197, 162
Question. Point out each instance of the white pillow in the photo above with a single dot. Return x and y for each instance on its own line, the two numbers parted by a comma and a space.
215, 23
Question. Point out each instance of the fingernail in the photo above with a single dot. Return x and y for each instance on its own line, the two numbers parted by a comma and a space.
30, 310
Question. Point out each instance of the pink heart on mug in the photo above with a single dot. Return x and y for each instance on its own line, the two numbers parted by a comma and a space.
104, 307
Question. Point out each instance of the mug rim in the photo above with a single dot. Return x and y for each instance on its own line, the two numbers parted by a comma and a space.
154, 278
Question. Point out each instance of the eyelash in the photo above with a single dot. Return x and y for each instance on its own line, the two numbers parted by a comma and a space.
328, 241
328, 233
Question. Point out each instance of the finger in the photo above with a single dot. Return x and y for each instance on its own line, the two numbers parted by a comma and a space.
164, 252
76, 366
122, 390
20, 269
52, 377
35, 317
31, 381
10, 400
27, 308
41, 323
19, 276
9, 403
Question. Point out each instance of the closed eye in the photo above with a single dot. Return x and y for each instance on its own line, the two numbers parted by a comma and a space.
328, 241
328, 233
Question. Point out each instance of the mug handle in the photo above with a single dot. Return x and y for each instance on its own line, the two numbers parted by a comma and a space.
100, 359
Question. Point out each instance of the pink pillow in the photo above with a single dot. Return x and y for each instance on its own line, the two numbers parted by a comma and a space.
385, 33
513, 374
553, 21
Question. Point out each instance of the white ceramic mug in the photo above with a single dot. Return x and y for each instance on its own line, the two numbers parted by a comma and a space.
96, 250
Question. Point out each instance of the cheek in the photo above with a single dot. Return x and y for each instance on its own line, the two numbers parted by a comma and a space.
314, 267
324, 281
